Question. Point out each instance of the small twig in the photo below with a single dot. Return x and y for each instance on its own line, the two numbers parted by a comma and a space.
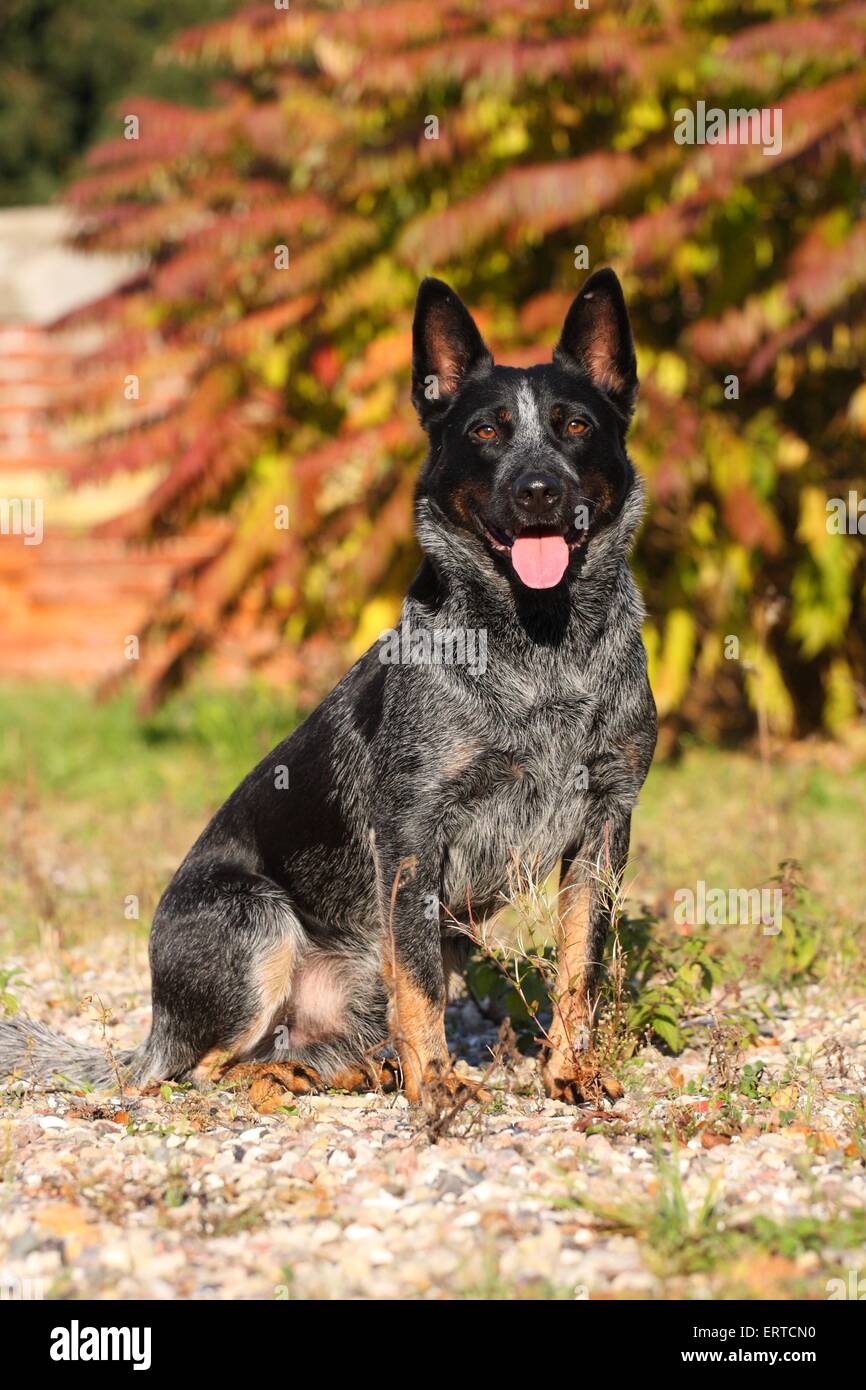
104, 1016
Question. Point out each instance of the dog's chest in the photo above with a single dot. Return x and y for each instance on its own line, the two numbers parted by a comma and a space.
519, 805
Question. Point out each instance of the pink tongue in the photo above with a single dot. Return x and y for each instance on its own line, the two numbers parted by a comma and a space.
540, 561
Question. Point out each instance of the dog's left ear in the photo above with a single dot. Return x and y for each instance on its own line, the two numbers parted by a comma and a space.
596, 339
446, 349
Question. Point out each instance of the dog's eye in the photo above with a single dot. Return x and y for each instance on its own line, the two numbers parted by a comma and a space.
577, 425
485, 433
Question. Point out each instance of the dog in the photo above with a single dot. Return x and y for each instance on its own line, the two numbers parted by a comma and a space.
321, 916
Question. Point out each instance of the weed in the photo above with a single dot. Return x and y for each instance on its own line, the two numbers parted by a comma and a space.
669, 979
677, 1237
8, 1000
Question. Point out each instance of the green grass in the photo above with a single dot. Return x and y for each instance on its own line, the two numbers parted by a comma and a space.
680, 1239
97, 805
61, 744
725, 818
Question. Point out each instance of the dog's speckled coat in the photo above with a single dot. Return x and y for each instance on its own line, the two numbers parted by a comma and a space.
320, 913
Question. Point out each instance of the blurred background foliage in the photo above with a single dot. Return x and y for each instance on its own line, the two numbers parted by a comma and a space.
273, 393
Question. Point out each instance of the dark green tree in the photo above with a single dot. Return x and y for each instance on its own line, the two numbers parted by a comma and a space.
62, 65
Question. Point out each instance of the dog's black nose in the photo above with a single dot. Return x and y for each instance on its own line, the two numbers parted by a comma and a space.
536, 494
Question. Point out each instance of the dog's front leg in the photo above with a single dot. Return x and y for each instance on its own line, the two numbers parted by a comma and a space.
415, 977
591, 876
413, 970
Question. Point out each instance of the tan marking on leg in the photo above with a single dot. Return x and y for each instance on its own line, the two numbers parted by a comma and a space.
571, 1024
572, 1009
417, 1028
211, 1065
273, 976
416, 1023
570, 1071
418, 1033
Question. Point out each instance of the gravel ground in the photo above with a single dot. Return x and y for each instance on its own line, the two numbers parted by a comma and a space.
176, 1194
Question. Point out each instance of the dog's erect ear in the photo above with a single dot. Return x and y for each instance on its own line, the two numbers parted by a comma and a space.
446, 349
596, 339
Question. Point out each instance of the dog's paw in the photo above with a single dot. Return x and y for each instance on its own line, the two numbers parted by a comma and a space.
269, 1080
576, 1081
444, 1089
374, 1075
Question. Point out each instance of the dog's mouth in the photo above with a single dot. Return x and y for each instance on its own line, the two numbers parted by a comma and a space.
540, 555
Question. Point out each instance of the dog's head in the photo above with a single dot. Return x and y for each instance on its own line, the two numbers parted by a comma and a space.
527, 468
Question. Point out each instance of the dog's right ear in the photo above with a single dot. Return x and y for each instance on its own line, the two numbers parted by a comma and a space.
446, 349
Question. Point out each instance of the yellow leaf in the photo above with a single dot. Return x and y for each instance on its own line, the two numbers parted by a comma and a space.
785, 1098
857, 409
812, 526
764, 1274
68, 1222
824, 1141
671, 669
671, 374
380, 613
767, 690
840, 702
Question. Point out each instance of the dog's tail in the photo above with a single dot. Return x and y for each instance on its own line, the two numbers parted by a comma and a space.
34, 1051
